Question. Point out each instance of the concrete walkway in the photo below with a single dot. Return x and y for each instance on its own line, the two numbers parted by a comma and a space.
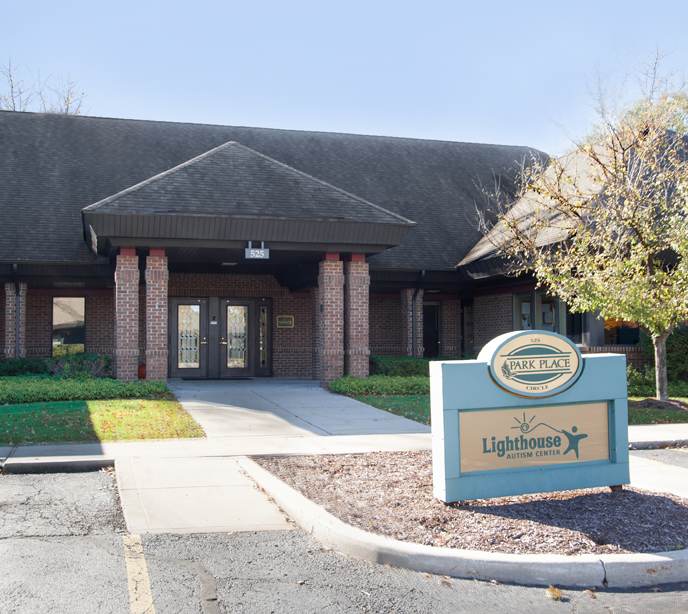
195, 485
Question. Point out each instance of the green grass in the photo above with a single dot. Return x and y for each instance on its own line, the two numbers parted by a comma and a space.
89, 421
417, 407
656, 416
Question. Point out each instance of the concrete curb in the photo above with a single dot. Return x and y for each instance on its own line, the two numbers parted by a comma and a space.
72, 465
589, 570
653, 445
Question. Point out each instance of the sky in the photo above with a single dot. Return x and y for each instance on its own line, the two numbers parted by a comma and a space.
513, 73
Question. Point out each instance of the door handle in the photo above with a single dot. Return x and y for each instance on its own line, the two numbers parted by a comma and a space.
204, 343
223, 343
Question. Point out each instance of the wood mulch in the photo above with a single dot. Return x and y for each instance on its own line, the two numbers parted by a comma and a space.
655, 404
390, 493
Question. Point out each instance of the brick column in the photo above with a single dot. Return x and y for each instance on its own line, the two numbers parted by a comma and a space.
407, 321
331, 316
127, 315
157, 277
315, 359
11, 318
357, 300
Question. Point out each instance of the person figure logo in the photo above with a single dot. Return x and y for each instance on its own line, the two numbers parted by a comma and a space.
573, 440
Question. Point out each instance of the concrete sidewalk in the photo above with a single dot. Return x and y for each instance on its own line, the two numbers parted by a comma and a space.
195, 484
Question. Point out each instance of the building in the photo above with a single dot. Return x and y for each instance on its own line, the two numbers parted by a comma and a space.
217, 252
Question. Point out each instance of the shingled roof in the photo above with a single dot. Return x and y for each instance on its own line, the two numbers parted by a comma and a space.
53, 166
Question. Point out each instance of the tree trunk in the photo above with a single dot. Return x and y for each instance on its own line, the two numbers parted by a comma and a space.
661, 367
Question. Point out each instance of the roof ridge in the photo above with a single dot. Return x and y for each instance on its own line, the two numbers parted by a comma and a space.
300, 130
228, 144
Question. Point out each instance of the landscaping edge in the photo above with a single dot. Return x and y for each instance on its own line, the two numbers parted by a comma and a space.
588, 570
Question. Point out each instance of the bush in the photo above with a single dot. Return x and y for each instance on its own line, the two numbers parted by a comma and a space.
80, 365
677, 353
23, 366
401, 366
42, 388
641, 383
381, 385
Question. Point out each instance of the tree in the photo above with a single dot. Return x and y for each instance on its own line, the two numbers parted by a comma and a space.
605, 227
44, 96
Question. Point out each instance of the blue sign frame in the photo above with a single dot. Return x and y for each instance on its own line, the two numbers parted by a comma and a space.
466, 386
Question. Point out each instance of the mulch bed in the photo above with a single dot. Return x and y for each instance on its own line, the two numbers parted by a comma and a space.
390, 493
655, 404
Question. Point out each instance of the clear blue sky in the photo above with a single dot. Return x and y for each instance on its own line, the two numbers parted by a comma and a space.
493, 72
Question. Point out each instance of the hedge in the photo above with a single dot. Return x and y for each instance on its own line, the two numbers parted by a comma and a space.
42, 388
401, 366
66, 365
381, 385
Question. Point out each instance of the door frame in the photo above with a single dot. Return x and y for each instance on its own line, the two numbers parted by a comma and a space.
212, 353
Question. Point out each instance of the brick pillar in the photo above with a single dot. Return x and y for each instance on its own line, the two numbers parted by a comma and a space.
127, 315
407, 321
157, 277
315, 359
11, 318
357, 300
331, 316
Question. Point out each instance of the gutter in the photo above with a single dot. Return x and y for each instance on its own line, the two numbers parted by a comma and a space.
414, 351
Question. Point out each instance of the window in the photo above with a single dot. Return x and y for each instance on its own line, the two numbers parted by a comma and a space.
618, 332
546, 314
69, 330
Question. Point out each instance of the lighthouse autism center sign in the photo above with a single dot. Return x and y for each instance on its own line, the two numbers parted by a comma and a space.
529, 415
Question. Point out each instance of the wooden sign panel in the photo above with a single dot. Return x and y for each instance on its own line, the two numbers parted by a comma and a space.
506, 439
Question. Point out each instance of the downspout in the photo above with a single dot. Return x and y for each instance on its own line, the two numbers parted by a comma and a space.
413, 314
15, 278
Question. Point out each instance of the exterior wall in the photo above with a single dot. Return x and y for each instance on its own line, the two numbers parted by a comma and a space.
451, 328
100, 325
2, 319
407, 321
127, 315
331, 285
11, 318
39, 326
386, 327
494, 315
634, 355
356, 314
292, 348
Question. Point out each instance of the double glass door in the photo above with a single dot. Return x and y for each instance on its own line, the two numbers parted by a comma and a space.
219, 338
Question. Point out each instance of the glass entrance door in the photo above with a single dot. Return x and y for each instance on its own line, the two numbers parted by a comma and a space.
220, 338
189, 338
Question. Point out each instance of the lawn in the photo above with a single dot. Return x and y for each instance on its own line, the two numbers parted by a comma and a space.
417, 407
93, 421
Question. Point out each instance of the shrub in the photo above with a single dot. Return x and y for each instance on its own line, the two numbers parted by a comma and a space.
23, 366
677, 353
79, 365
401, 366
641, 383
42, 388
381, 385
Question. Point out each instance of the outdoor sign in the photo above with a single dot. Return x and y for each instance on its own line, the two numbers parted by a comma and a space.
529, 415
285, 321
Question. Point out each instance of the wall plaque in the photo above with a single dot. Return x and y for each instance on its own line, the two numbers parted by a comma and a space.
285, 321
529, 415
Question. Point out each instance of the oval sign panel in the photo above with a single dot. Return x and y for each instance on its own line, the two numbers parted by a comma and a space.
533, 363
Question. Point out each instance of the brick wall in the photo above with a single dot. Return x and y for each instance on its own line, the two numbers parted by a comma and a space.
11, 317
356, 308
634, 355
451, 328
156, 315
100, 325
39, 330
127, 316
386, 327
407, 321
2, 319
331, 295
494, 315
